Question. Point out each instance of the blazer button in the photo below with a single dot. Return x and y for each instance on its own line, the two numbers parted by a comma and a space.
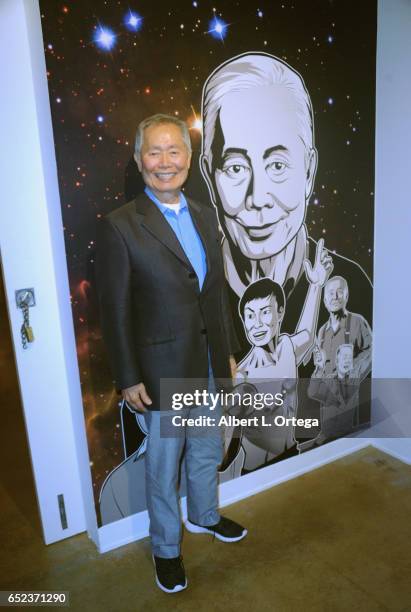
192, 275
203, 331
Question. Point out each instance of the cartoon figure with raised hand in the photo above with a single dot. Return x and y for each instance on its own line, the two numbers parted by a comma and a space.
274, 357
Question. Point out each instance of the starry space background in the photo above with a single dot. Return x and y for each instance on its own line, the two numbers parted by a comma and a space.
112, 63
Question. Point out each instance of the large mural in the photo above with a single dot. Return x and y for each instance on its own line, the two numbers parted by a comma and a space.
279, 99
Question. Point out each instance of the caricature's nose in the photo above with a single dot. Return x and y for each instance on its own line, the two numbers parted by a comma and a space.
259, 195
258, 321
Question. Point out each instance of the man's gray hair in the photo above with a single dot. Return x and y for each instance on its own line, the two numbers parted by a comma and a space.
247, 71
160, 119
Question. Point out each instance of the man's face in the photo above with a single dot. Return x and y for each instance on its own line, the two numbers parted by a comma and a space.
164, 159
335, 295
262, 320
345, 359
262, 175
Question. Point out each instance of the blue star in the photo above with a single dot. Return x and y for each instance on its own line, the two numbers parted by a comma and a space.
133, 21
104, 38
218, 28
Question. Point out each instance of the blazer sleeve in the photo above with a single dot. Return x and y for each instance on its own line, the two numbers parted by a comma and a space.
113, 279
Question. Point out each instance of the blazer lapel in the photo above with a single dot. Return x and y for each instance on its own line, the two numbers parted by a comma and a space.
203, 231
157, 225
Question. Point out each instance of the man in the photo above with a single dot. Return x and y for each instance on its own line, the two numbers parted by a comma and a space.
259, 161
342, 359
164, 315
343, 328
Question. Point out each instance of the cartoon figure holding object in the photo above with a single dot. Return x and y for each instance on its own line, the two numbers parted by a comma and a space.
342, 328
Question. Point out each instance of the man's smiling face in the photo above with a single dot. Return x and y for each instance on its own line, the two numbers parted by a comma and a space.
335, 295
262, 320
262, 174
164, 160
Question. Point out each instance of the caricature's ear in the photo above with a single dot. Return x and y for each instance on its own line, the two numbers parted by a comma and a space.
281, 312
137, 159
206, 171
311, 172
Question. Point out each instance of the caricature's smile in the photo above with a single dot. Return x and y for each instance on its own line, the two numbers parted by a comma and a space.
259, 335
259, 232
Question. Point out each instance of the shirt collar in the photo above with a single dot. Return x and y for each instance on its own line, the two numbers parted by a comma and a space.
163, 209
343, 319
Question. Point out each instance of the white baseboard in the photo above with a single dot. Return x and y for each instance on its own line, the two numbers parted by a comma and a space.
400, 448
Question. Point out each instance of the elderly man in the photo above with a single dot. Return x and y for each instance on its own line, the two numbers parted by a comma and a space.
259, 160
342, 359
164, 314
342, 328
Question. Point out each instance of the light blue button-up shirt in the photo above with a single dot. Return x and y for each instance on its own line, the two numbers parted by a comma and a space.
182, 225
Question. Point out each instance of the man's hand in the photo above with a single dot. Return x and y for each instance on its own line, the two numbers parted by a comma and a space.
136, 397
233, 367
323, 266
319, 357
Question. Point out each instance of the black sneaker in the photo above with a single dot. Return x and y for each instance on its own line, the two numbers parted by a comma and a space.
170, 574
226, 530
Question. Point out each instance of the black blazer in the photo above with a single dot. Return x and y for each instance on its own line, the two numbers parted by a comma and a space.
156, 322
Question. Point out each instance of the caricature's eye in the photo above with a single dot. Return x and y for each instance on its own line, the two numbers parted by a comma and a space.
267, 310
237, 171
277, 169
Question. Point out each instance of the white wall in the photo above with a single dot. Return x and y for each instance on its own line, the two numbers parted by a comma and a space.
392, 258
32, 254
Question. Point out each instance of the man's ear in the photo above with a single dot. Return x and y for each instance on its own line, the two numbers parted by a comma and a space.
281, 312
311, 172
137, 159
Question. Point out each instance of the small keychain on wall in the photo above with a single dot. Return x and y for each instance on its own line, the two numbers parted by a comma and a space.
25, 300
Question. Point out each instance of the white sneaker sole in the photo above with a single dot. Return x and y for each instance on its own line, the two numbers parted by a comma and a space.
197, 529
177, 588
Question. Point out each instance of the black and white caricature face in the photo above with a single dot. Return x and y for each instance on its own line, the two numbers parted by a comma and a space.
336, 294
258, 155
262, 319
